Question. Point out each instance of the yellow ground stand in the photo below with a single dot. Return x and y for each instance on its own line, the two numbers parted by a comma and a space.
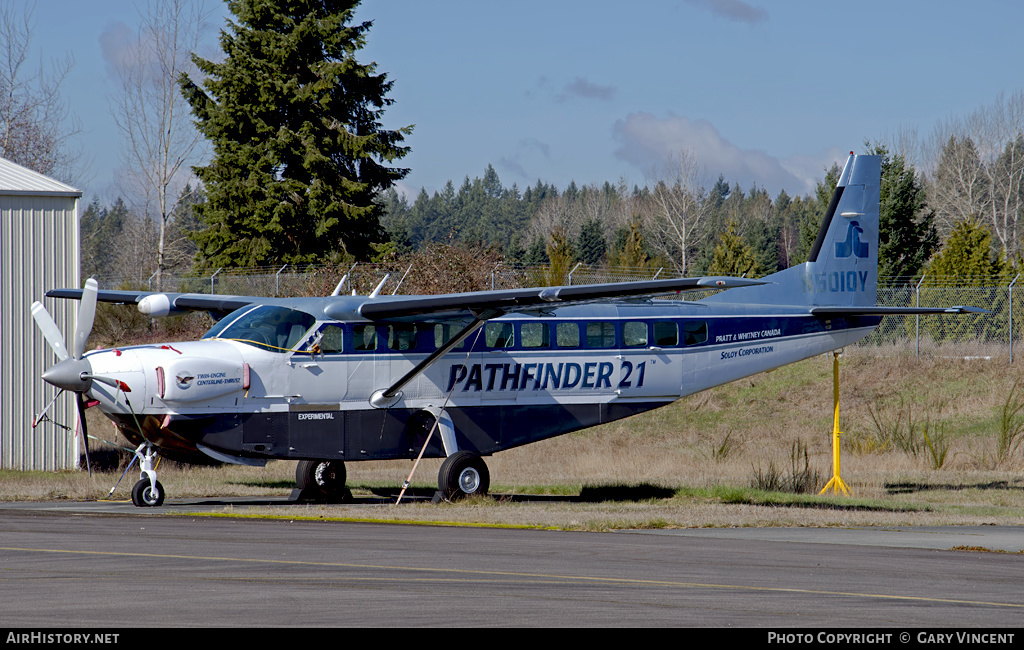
836, 484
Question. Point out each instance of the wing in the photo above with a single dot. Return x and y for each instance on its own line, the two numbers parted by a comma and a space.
453, 306
495, 303
157, 304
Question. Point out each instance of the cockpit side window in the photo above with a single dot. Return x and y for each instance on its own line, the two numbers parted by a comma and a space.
333, 339
277, 329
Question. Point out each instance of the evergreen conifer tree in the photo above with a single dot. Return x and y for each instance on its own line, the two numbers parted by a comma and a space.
966, 255
630, 249
811, 222
299, 154
591, 245
906, 234
733, 256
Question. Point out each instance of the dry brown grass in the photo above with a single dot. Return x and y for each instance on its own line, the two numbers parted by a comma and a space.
704, 452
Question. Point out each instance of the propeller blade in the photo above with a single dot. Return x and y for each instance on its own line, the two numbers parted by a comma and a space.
86, 316
49, 330
85, 429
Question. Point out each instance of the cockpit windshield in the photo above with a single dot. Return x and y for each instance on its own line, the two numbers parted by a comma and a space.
277, 329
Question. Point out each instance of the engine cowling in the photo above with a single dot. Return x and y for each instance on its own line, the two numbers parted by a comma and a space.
191, 379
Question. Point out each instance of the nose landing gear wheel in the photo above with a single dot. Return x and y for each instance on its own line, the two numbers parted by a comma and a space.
146, 494
463, 474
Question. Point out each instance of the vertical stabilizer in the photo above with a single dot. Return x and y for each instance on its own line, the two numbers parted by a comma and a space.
842, 269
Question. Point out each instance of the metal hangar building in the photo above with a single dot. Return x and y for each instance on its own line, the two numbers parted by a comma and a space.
39, 251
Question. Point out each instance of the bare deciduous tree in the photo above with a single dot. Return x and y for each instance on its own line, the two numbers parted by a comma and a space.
980, 170
154, 118
958, 190
568, 212
134, 256
36, 125
681, 205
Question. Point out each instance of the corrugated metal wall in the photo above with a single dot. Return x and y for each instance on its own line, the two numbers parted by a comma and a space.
39, 250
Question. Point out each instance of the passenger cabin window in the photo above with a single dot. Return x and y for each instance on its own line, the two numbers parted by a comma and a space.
444, 333
634, 334
498, 335
695, 332
600, 335
364, 338
534, 335
567, 335
401, 337
666, 334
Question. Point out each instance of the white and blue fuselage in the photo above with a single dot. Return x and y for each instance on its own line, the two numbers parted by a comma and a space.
514, 380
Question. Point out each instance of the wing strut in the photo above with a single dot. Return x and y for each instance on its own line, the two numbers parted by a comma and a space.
391, 394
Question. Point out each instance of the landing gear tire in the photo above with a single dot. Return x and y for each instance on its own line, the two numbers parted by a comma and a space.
463, 474
148, 495
321, 480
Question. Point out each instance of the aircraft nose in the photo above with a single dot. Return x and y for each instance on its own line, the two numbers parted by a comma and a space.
68, 374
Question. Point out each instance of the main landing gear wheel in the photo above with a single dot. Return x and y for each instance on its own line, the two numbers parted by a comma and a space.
321, 480
146, 494
463, 474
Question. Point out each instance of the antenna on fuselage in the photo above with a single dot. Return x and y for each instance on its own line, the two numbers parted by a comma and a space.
403, 280
376, 292
337, 289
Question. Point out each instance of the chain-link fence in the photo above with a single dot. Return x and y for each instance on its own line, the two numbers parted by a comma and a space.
997, 333
985, 335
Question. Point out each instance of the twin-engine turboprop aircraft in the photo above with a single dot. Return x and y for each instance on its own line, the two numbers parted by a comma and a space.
348, 378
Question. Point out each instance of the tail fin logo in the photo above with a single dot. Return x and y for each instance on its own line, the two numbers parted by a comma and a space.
853, 245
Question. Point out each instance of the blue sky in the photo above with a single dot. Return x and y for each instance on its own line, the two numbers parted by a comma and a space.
764, 93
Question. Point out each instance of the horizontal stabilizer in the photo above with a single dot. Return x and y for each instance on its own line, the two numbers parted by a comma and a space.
878, 310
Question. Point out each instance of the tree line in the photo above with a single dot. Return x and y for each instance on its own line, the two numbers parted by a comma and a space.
677, 223
679, 227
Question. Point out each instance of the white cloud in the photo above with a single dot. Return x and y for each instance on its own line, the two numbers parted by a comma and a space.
584, 89
512, 164
407, 191
578, 88
117, 42
735, 10
533, 144
811, 168
648, 142
525, 154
